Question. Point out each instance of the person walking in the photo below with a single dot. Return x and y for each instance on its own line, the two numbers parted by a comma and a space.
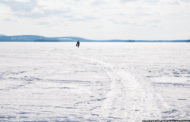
78, 44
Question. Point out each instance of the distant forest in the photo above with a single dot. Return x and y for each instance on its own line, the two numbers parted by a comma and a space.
35, 38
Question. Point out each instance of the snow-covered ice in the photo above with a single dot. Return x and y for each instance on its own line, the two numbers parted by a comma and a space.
119, 82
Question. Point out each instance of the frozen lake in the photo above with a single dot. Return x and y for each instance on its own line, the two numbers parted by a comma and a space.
116, 82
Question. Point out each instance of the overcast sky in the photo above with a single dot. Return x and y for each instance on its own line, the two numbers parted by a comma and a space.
97, 19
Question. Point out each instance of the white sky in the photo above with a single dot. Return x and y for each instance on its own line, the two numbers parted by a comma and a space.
97, 19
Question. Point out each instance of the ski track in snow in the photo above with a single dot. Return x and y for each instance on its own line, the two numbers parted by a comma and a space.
126, 99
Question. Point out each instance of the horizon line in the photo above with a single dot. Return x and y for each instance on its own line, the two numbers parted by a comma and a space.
91, 39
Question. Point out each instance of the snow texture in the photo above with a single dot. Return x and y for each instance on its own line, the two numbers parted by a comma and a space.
119, 82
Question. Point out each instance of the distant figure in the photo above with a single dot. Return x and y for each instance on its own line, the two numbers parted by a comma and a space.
78, 44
